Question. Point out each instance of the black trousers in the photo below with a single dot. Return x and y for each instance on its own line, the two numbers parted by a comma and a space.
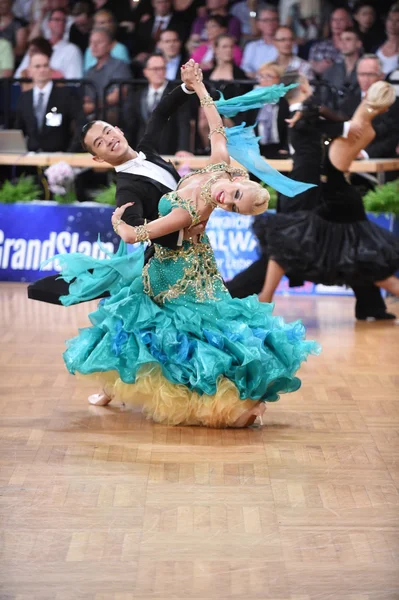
369, 301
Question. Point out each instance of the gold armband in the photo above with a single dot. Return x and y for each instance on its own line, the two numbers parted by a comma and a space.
116, 225
142, 233
218, 130
207, 101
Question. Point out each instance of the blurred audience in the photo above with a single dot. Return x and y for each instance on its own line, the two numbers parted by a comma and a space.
170, 45
6, 59
36, 46
79, 34
216, 8
101, 74
12, 29
47, 115
368, 25
284, 41
104, 19
41, 25
66, 57
205, 53
342, 75
263, 50
388, 53
324, 53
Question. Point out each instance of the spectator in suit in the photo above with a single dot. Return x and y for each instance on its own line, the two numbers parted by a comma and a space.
6, 59
12, 29
342, 75
258, 52
324, 53
176, 135
386, 125
66, 57
48, 115
147, 33
79, 33
106, 69
104, 19
205, 53
37, 46
284, 41
368, 26
171, 47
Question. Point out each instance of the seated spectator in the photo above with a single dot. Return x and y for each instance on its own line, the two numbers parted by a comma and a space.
79, 33
6, 59
105, 70
66, 57
176, 134
258, 52
223, 71
388, 53
36, 46
325, 53
245, 12
171, 47
12, 29
22, 9
386, 125
219, 8
121, 9
104, 19
342, 75
286, 59
270, 120
147, 32
204, 54
48, 115
370, 30
41, 27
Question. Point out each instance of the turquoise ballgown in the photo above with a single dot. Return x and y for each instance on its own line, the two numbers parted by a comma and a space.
170, 338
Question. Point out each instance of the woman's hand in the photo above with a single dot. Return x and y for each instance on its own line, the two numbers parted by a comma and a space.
191, 74
118, 212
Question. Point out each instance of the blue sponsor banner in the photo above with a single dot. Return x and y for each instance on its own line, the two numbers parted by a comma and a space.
35, 231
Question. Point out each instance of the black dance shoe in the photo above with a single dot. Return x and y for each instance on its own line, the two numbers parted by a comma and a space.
380, 316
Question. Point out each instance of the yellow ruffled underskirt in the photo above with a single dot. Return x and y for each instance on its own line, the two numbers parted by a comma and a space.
173, 404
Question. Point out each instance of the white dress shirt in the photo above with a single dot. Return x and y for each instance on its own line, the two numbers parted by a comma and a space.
46, 91
161, 22
172, 68
152, 91
141, 166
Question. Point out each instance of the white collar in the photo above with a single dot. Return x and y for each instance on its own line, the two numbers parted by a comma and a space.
295, 106
159, 90
132, 162
46, 90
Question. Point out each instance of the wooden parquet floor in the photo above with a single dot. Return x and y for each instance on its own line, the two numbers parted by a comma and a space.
100, 504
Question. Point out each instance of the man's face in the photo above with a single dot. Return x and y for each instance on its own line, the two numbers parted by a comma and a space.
339, 21
57, 24
161, 7
5, 7
268, 22
170, 44
349, 43
106, 142
100, 44
83, 22
55, 4
39, 69
104, 21
368, 72
155, 70
284, 41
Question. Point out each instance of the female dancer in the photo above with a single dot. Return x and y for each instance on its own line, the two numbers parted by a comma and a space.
335, 244
170, 338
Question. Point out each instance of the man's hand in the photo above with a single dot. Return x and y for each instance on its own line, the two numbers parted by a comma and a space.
191, 74
191, 233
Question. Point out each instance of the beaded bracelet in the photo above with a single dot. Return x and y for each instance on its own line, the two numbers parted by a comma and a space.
218, 130
116, 225
142, 233
207, 101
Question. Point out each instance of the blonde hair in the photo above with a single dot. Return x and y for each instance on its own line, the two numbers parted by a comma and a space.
278, 71
380, 95
261, 197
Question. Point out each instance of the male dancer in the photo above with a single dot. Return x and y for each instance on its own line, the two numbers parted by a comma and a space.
143, 176
307, 166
